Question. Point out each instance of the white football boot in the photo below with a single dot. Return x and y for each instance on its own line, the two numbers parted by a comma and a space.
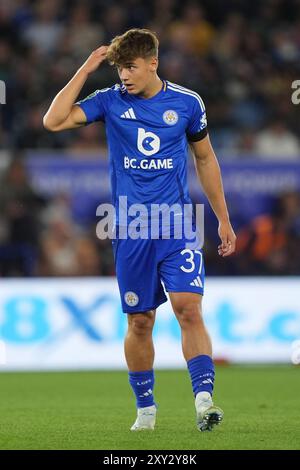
145, 419
208, 415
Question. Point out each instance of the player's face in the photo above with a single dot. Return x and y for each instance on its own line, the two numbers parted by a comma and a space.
138, 74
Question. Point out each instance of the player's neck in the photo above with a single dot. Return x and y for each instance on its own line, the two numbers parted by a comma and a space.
153, 89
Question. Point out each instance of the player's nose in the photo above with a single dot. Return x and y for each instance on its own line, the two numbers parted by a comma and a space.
124, 76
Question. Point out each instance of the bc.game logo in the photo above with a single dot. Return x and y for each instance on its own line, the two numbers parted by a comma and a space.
147, 142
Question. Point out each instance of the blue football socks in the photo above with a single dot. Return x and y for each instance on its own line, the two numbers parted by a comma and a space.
142, 384
202, 373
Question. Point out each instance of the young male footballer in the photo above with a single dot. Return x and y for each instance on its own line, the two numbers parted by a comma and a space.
150, 123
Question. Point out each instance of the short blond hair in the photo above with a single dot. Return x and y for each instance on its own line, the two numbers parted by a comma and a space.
131, 45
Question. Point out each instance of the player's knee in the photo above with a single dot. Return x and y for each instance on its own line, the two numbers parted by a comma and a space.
141, 323
189, 315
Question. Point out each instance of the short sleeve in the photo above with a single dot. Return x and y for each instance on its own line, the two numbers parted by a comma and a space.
94, 106
197, 127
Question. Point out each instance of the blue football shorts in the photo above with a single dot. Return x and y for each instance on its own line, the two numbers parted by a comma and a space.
143, 265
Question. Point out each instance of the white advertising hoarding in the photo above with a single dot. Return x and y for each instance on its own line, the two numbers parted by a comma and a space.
78, 323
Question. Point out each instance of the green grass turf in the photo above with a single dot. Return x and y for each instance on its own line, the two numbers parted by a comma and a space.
94, 410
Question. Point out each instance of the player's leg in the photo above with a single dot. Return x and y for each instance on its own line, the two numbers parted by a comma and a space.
194, 336
182, 271
139, 348
141, 292
139, 354
197, 350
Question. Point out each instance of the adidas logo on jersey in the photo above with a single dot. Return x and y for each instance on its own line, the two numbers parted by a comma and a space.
129, 114
197, 282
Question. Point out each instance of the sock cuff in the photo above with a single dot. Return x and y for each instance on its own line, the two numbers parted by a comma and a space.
141, 374
201, 361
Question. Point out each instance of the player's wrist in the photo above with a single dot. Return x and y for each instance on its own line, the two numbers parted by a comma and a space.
83, 71
224, 220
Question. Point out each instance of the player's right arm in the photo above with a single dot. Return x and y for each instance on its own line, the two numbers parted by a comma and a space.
63, 113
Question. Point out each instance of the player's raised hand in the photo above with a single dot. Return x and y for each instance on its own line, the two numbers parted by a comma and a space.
228, 239
95, 59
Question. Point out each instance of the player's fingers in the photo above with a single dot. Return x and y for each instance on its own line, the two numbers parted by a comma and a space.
221, 250
227, 252
102, 48
230, 249
224, 243
227, 246
101, 54
101, 51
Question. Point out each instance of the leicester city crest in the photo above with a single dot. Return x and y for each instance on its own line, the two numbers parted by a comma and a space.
131, 298
170, 117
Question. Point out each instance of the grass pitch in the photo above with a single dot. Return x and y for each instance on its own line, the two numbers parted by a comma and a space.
94, 410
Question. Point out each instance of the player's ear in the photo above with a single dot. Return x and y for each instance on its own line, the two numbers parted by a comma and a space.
153, 64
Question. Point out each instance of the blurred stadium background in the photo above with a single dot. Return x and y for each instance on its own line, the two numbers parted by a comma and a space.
58, 294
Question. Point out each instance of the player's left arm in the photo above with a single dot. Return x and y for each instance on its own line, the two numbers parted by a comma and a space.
209, 174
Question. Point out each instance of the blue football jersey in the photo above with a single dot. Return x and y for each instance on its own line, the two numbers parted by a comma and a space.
148, 141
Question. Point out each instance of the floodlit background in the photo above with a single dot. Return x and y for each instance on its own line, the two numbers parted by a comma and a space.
59, 304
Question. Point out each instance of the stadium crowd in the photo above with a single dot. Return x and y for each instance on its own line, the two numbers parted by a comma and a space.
241, 57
